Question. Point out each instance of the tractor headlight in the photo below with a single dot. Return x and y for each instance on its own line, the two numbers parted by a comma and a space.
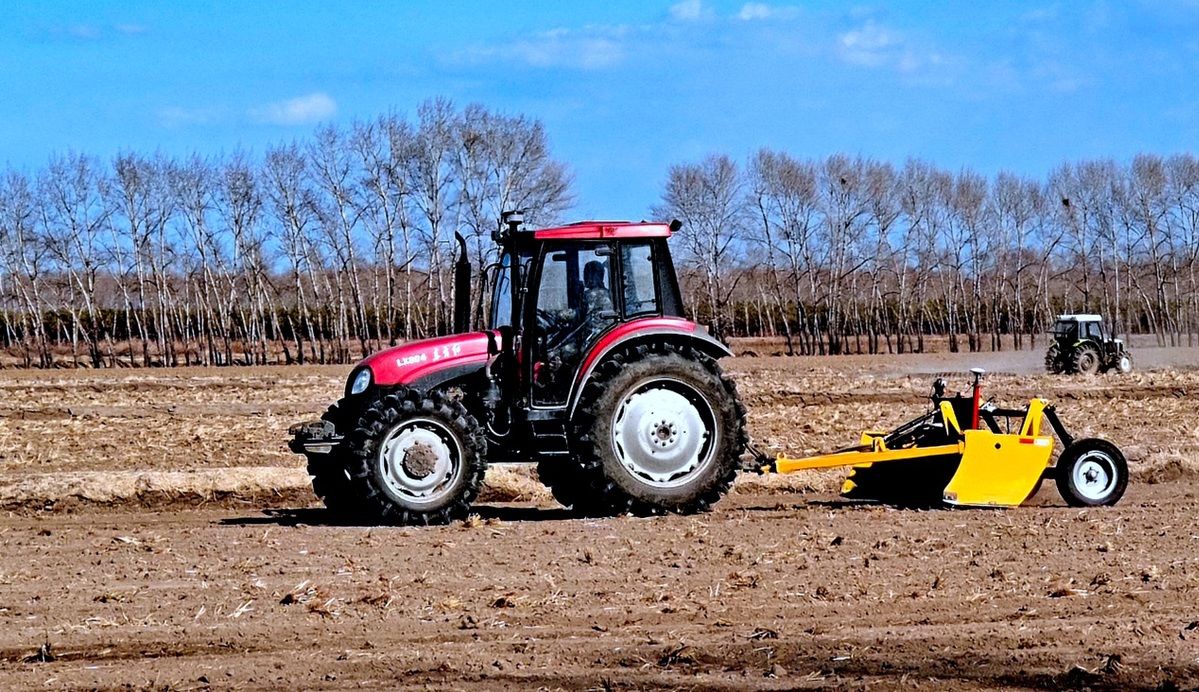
359, 382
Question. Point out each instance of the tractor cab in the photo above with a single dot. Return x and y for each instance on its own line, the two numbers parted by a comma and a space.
559, 292
1077, 327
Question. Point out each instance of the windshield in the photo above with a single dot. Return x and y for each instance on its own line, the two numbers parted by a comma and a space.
501, 297
1063, 328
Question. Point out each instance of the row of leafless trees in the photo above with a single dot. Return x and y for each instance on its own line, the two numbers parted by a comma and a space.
853, 255
315, 251
341, 244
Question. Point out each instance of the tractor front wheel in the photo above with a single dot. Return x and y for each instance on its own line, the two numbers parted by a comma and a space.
1091, 473
416, 459
659, 430
1124, 363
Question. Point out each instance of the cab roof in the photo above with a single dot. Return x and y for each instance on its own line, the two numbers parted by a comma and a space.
604, 230
1079, 318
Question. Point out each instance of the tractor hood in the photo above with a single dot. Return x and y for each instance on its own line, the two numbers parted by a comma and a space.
429, 359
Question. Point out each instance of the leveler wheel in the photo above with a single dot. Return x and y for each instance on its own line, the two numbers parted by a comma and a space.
416, 459
1091, 473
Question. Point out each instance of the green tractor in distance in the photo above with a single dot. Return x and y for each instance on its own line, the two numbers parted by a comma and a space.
1081, 344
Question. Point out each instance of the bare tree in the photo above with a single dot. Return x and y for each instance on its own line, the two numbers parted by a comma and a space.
709, 199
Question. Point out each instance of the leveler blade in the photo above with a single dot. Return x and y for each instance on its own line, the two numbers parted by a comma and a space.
998, 470
915, 483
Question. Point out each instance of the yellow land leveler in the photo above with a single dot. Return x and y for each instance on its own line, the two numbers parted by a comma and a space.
969, 453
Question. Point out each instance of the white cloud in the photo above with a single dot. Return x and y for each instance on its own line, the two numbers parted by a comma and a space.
590, 48
178, 116
870, 45
130, 29
93, 32
84, 32
300, 110
691, 11
566, 48
760, 11
874, 45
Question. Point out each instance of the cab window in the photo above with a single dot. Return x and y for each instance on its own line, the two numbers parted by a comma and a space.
640, 289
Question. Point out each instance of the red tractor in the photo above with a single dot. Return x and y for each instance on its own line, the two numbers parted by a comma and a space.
588, 369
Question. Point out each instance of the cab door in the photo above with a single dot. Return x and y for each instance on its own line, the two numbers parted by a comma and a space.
575, 302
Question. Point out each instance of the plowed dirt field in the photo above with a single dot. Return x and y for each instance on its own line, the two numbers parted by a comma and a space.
157, 534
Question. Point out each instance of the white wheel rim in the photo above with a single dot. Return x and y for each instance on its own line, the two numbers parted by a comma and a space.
1094, 476
1125, 364
425, 481
664, 432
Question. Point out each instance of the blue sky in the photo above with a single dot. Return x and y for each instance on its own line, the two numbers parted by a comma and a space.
625, 89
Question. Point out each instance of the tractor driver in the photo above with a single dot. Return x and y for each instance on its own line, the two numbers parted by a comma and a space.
597, 301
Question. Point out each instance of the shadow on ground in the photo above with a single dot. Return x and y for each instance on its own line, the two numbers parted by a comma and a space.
319, 516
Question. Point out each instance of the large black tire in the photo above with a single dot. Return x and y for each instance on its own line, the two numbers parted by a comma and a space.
329, 472
1053, 359
1087, 360
687, 404
1091, 473
402, 442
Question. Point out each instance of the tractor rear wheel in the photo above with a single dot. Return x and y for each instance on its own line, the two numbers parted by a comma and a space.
1086, 360
1053, 359
660, 429
416, 459
1091, 473
330, 476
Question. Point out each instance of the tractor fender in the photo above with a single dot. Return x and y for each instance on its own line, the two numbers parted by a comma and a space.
630, 334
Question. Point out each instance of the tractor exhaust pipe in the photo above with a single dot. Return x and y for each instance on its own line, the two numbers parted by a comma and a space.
462, 278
